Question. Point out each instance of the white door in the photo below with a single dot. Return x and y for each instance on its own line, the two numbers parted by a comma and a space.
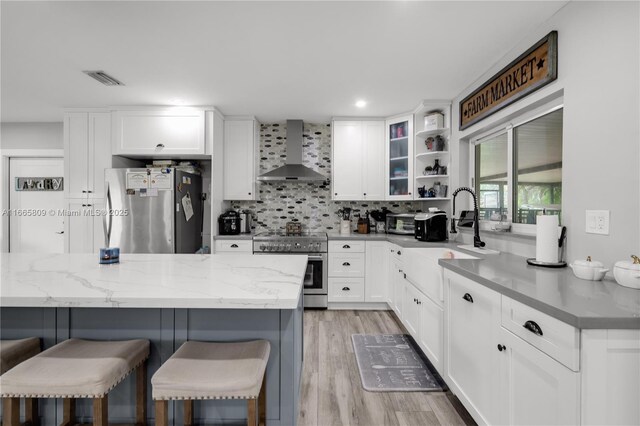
32, 226
535, 388
376, 271
411, 309
239, 160
346, 164
373, 143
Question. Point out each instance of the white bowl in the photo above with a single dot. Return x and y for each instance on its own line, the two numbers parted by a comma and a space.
627, 274
590, 273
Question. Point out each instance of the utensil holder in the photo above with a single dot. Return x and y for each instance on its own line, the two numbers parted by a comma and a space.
345, 227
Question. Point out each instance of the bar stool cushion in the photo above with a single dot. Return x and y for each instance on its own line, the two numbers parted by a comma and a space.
75, 368
13, 352
205, 370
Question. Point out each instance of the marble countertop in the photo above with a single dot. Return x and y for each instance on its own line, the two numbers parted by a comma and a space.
226, 281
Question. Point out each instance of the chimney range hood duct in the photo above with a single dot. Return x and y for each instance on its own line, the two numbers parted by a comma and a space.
293, 171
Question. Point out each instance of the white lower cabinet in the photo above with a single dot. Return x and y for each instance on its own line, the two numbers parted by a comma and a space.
346, 290
411, 309
534, 388
85, 231
473, 320
431, 332
376, 271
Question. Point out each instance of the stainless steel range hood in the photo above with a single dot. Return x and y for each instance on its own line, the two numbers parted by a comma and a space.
293, 170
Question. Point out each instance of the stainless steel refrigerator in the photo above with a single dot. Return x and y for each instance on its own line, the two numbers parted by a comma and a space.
153, 210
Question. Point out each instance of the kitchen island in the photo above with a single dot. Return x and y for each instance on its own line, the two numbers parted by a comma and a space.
167, 299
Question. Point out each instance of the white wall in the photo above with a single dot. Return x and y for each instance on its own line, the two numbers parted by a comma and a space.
598, 75
31, 136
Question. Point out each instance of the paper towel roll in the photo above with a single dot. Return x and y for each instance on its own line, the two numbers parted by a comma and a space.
547, 238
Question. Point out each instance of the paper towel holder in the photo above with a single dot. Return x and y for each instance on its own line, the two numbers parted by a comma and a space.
562, 244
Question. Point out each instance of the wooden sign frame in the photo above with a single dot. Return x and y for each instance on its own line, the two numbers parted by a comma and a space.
535, 68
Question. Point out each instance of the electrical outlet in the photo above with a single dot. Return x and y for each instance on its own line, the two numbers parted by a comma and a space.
597, 222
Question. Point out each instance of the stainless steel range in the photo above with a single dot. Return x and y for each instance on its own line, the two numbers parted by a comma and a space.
314, 245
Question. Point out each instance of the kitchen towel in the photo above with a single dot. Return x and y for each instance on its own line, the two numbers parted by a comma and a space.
547, 238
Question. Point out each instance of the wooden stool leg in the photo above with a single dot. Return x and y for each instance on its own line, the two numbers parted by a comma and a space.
11, 412
262, 402
31, 412
252, 412
188, 412
141, 394
101, 411
68, 412
162, 413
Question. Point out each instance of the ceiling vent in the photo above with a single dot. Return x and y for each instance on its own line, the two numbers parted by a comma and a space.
103, 78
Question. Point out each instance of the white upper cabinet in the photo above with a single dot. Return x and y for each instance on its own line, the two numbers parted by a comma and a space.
399, 158
357, 160
241, 137
87, 153
166, 132
346, 165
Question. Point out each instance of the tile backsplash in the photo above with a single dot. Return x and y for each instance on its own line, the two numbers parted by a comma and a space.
308, 203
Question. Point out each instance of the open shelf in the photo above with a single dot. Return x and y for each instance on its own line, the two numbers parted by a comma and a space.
431, 154
431, 177
426, 133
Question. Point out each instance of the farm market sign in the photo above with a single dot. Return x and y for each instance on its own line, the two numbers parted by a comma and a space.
39, 184
534, 69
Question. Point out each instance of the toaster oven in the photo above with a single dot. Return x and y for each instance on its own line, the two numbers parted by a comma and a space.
403, 223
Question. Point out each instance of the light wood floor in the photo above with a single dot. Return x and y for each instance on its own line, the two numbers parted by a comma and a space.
332, 392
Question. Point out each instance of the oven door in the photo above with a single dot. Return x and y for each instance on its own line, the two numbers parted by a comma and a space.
315, 278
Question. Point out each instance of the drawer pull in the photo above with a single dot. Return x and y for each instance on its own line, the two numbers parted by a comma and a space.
346, 264
346, 246
346, 289
234, 246
501, 347
468, 297
399, 253
415, 300
533, 327
160, 145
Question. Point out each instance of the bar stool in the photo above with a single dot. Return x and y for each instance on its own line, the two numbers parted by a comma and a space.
204, 370
75, 369
12, 353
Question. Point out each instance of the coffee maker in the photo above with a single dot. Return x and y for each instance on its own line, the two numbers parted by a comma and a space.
431, 226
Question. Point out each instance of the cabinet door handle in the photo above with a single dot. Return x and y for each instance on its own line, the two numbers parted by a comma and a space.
346, 289
365, 194
501, 347
249, 193
84, 192
346, 246
346, 264
399, 253
84, 205
468, 297
61, 232
336, 193
533, 327
89, 205
160, 145
89, 192
234, 246
415, 300
404, 275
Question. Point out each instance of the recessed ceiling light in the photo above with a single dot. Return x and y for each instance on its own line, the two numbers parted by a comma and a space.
361, 104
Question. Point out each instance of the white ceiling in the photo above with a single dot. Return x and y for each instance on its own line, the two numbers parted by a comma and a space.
275, 60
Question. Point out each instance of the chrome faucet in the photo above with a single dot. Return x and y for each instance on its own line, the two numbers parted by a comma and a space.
477, 242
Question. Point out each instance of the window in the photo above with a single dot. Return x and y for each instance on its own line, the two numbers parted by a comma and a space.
518, 171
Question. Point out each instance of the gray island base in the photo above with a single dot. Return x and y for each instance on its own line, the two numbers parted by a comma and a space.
268, 298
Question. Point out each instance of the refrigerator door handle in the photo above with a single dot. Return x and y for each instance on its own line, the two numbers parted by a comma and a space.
107, 228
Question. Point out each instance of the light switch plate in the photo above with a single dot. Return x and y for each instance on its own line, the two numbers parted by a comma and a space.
597, 222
